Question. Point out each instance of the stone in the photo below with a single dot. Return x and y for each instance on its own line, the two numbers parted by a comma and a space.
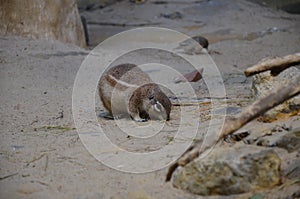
233, 170
28, 189
290, 141
264, 83
42, 19
173, 15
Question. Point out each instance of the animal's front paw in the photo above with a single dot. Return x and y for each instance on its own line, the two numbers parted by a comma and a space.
106, 115
138, 119
117, 117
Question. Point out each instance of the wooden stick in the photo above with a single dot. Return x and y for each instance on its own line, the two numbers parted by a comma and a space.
276, 65
231, 125
261, 106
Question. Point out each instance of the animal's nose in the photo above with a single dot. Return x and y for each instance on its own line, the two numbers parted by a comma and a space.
152, 101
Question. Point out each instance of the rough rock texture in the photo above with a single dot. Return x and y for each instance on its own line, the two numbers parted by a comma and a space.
45, 19
278, 136
290, 141
264, 83
231, 171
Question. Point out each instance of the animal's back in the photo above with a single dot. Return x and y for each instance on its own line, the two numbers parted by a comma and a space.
117, 82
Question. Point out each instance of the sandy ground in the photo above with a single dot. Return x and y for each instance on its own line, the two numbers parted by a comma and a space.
41, 153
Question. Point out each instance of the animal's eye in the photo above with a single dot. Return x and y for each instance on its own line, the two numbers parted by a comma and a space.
151, 97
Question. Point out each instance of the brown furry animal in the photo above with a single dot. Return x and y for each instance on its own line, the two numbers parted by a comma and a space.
126, 89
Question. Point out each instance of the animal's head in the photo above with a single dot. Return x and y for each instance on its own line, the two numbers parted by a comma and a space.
157, 104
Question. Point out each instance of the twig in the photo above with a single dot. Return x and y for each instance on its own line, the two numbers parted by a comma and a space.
46, 163
276, 65
41, 183
231, 125
190, 103
8, 176
261, 106
35, 159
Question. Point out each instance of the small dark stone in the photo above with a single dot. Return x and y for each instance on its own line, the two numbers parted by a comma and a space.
160, 2
202, 41
290, 142
173, 15
90, 6
296, 194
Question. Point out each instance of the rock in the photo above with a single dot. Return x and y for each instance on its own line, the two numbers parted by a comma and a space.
28, 189
278, 136
46, 19
234, 170
193, 76
290, 141
267, 136
194, 45
230, 110
264, 83
201, 40
173, 15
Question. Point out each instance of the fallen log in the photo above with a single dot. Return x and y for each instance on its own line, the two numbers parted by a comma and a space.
276, 65
232, 124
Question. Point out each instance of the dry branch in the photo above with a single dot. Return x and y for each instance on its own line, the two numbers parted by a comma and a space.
231, 125
276, 65
8, 176
261, 106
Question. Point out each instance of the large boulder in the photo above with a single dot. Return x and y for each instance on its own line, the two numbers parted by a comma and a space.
46, 19
235, 170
